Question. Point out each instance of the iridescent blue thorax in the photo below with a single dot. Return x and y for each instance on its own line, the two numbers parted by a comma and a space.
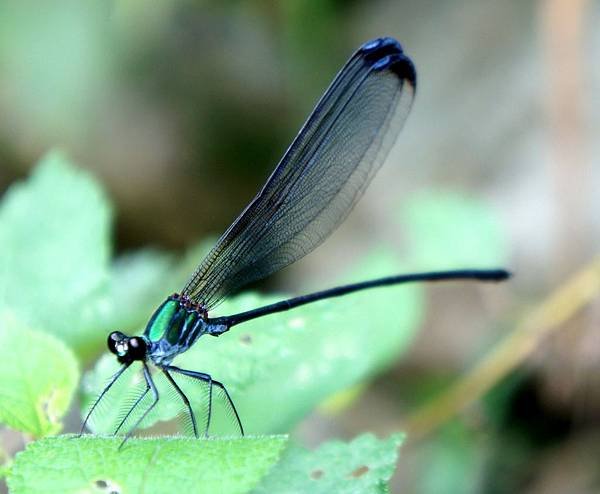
174, 327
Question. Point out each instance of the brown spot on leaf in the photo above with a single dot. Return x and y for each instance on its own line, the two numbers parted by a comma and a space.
316, 474
246, 339
360, 471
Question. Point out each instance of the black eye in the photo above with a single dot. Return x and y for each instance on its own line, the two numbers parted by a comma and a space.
113, 339
137, 348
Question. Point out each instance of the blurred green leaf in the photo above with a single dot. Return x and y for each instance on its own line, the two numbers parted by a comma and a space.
138, 283
37, 378
54, 250
448, 230
190, 261
68, 465
453, 461
290, 362
362, 466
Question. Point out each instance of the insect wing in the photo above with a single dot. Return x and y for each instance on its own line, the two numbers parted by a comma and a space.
321, 176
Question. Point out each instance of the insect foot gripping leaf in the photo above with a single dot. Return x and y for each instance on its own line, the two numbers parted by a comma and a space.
37, 378
153, 466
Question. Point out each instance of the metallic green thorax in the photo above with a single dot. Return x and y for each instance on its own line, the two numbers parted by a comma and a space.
160, 323
175, 326
173, 322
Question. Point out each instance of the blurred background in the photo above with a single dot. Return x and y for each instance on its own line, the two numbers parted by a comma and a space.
182, 109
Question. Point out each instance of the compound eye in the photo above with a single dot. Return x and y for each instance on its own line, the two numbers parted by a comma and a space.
137, 348
116, 338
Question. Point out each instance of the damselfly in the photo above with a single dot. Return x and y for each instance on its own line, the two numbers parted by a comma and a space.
315, 185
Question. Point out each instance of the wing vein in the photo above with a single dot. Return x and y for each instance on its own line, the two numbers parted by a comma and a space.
320, 177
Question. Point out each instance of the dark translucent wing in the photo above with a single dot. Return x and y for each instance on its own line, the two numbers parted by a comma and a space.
320, 177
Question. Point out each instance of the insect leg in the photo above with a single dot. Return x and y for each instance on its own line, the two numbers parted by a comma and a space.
184, 399
206, 378
113, 380
152, 387
137, 402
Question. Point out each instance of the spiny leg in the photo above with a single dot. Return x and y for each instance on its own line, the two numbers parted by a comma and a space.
152, 386
113, 380
137, 402
184, 398
237, 417
206, 378
209, 414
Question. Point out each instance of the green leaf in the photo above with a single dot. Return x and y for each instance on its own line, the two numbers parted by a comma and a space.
65, 465
447, 230
54, 251
37, 378
362, 466
453, 461
288, 363
139, 282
